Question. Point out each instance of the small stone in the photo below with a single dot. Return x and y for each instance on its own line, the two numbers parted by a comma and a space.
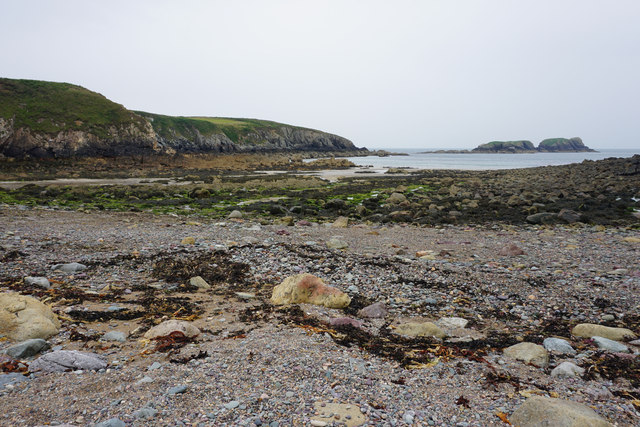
511, 250
114, 336
452, 322
169, 326
558, 345
235, 214
610, 345
608, 317
145, 413
341, 222
144, 380
177, 389
336, 243
567, 370
289, 394
154, 366
41, 282
71, 267
112, 422
529, 353
419, 329
374, 311
396, 198
232, 405
188, 241
27, 348
199, 283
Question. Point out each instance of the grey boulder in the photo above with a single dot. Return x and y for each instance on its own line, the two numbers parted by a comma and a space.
71, 267
610, 345
558, 345
64, 360
27, 348
567, 370
41, 282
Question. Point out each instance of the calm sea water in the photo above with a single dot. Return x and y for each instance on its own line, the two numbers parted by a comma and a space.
483, 161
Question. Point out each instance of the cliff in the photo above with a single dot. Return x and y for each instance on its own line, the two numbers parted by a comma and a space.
505, 147
563, 145
44, 119
556, 145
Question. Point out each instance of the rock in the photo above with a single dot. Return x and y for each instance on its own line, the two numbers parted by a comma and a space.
588, 330
529, 353
420, 329
235, 214
610, 345
112, 422
374, 311
199, 283
179, 389
339, 321
558, 345
11, 378
567, 370
232, 405
569, 216
599, 393
72, 267
341, 222
145, 413
542, 218
27, 348
327, 413
396, 198
24, 317
169, 326
41, 282
64, 360
154, 366
306, 288
114, 336
631, 239
188, 241
452, 322
539, 411
336, 243
285, 220
511, 250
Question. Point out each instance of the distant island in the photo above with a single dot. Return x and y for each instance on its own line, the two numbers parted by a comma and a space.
550, 145
40, 119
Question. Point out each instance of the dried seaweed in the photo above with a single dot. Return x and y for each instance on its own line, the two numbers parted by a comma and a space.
610, 366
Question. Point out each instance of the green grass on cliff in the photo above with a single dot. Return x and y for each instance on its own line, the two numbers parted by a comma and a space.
234, 129
48, 107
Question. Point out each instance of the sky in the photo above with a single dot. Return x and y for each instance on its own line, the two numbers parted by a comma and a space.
385, 74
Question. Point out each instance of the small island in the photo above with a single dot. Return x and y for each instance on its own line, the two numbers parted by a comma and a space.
550, 145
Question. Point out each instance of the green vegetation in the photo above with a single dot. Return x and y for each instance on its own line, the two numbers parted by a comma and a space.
47, 107
185, 127
521, 145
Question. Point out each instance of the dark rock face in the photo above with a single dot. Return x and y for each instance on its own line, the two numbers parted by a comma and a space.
553, 145
505, 147
563, 144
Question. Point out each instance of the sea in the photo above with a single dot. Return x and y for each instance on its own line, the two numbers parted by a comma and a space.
468, 161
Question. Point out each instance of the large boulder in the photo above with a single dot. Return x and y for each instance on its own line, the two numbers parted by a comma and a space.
539, 411
170, 326
529, 353
65, 360
307, 288
24, 317
589, 330
27, 348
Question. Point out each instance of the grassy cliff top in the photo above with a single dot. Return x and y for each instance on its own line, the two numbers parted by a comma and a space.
505, 145
48, 107
234, 129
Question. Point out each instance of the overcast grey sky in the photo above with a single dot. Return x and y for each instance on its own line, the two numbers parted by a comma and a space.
385, 74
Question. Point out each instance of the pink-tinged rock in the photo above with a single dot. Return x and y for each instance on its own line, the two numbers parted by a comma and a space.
307, 288
511, 250
339, 321
374, 311
65, 360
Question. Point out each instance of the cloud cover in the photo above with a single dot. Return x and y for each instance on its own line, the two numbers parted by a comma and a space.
402, 74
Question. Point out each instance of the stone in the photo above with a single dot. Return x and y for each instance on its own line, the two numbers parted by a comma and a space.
11, 379
529, 353
567, 370
336, 243
452, 322
28, 348
41, 282
232, 405
569, 216
341, 222
199, 283
170, 326
72, 267
285, 220
374, 311
114, 336
24, 317
396, 198
188, 241
542, 218
235, 214
510, 250
64, 360
179, 389
610, 345
306, 288
112, 422
145, 413
538, 411
558, 345
339, 321
344, 413
588, 330
420, 329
